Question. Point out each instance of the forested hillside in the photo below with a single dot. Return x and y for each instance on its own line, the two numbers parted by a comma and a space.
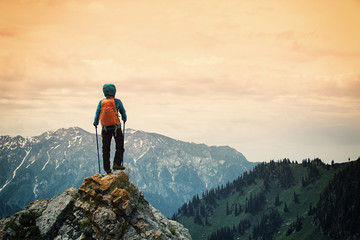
280, 200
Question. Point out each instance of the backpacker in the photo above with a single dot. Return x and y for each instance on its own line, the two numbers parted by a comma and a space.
109, 115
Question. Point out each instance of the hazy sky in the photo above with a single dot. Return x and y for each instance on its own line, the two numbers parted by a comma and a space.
271, 78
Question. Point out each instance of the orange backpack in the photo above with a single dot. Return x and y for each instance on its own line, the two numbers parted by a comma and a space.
109, 115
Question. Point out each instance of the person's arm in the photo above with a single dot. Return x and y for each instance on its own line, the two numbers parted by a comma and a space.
121, 109
97, 114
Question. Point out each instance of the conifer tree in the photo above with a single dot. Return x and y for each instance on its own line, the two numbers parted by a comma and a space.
202, 210
277, 200
298, 223
296, 197
227, 208
190, 209
197, 218
286, 208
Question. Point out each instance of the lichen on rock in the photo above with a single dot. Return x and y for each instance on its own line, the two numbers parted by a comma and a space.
104, 207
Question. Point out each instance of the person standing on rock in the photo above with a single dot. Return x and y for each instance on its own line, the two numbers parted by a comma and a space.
107, 111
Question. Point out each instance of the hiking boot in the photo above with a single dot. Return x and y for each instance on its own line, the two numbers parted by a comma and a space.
118, 167
108, 171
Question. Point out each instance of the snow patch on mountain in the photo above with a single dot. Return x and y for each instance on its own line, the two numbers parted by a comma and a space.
48, 160
14, 172
35, 190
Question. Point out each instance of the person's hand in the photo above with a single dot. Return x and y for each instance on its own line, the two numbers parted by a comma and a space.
95, 125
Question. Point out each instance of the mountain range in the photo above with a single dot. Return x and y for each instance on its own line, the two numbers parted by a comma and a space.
168, 171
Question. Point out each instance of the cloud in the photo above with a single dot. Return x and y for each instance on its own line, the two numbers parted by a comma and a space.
343, 85
8, 33
259, 72
213, 60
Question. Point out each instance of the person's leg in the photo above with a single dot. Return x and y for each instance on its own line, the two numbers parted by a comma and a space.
106, 140
119, 153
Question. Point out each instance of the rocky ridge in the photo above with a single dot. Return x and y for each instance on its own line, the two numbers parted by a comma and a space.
104, 207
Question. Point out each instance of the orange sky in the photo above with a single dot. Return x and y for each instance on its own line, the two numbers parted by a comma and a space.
272, 79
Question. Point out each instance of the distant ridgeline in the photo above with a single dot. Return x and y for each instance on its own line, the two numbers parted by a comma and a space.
280, 200
168, 171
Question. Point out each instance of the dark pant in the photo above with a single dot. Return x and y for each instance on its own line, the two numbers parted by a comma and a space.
106, 142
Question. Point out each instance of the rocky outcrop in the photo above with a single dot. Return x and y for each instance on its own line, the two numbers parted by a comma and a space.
104, 207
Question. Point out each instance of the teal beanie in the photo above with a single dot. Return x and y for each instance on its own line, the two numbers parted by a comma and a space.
109, 90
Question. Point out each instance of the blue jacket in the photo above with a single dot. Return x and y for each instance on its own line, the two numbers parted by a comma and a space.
120, 108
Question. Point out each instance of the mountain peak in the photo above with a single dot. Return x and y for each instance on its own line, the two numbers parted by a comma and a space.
104, 207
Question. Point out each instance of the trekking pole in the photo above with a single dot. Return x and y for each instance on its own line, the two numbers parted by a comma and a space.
124, 133
123, 143
97, 145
